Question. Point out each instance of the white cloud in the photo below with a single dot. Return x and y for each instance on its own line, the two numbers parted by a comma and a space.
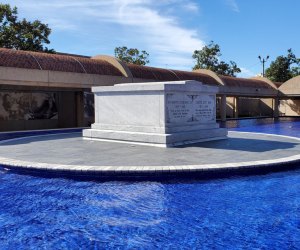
144, 24
233, 5
191, 6
246, 73
56, 24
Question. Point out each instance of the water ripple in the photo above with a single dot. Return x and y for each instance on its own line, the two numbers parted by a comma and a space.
254, 212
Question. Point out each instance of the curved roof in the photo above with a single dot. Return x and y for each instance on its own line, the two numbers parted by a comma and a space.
278, 84
44, 61
243, 82
187, 75
107, 65
159, 74
291, 87
146, 72
211, 74
117, 63
265, 79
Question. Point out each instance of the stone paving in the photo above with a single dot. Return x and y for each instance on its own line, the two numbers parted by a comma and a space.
70, 152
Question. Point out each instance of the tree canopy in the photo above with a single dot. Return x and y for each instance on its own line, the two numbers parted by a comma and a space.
22, 34
208, 58
284, 67
132, 55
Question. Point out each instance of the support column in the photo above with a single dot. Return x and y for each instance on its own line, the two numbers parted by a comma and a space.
276, 107
236, 107
223, 108
79, 109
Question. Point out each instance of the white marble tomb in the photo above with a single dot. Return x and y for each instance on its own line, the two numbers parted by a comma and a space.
162, 114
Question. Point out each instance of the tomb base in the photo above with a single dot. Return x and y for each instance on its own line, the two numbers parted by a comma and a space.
159, 140
161, 114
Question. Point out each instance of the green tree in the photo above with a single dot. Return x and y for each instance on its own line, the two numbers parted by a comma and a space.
22, 34
208, 58
132, 55
284, 68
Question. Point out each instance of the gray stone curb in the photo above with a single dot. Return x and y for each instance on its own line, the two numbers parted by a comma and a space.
146, 170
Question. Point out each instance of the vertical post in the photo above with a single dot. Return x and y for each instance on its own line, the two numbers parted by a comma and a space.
79, 109
276, 107
223, 108
263, 61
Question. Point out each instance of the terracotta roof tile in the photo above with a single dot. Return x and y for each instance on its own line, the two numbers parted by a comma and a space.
243, 82
44, 61
11, 58
278, 84
206, 79
147, 72
66, 63
158, 74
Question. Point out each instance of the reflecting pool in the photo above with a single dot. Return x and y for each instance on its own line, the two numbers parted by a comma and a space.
259, 211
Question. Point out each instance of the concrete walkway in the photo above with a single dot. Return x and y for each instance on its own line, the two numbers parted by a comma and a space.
72, 154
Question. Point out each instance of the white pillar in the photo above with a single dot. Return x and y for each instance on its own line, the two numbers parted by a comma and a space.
236, 107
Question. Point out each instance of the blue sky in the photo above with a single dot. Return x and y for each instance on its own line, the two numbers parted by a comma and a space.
170, 30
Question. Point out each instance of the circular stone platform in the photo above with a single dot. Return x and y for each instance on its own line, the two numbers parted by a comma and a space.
70, 153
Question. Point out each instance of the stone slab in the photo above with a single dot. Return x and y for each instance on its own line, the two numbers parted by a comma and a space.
159, 140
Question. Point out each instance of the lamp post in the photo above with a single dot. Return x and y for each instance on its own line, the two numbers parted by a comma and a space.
263, 60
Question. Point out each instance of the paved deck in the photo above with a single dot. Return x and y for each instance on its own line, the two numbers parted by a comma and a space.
73, 154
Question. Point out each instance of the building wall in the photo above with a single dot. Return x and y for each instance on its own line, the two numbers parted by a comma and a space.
247, 107
289, 107
255, 107
29, 110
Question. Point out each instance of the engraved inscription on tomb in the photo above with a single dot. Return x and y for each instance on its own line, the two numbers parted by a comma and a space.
186, 108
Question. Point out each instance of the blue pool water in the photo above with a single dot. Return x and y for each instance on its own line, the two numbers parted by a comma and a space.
266, 126
252, 212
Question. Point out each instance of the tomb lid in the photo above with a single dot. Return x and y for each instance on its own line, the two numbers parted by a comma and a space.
189, 85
